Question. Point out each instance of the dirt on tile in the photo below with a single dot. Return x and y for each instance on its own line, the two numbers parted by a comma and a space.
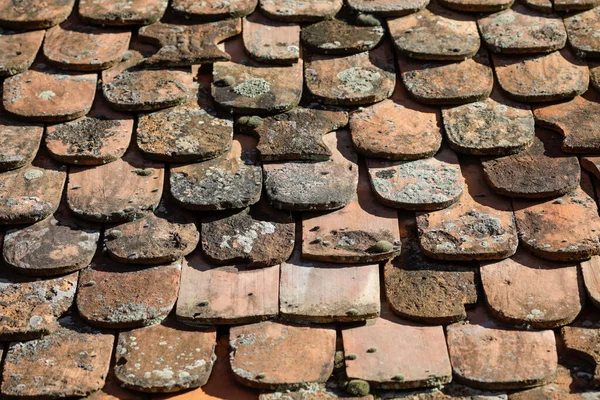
337, 36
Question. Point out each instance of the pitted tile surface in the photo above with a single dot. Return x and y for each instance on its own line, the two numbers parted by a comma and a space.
18, 50
19, 142
583, 30
337, 36
213, 9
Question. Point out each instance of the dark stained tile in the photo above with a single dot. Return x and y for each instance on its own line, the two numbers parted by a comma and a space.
477, 5
108, 12
18, 50
592, 165
594, 75
300, 10
387, 8
269, 41
582, 29
574, 5
19, 142
591, 278
337, 36
213, 9
31, 14
582, 341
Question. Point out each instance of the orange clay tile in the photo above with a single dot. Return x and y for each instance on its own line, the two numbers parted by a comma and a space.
109, 12
41, 94
337, 36
397, 129
273, 355
31, 193
300, 10
33, 14
318, 393
165, 358
118, 296
591, 277
100, 137
582, 342
19, 142
213, 9
18, 50
232, 294
324, 185
357, 79
574, 5
566, 387
228, 181
112, 390
387, 8
494, 126
423, 289
542, 170
592, 165
270, 41
71, 362
583, 30
547, 77
115, 192
521, 30
532, 293
435, 33
477, 5
486, 355
394, 354
247, 87
258, 235
425, 184
322, 293
362, 231
295, 135
30, 308
544, 6
448, 82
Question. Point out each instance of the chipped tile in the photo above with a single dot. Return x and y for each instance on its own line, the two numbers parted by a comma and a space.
109, 12
591, 277
300, 10
269, 41
387, 8
337, 36
582, 341
32, 14
583, 30
19, 142
210, 10
18, 50
477, 5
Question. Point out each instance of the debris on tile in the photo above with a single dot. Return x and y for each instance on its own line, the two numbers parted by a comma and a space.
337, 36
387, 8
19, 142
111, 13
590, 270
212, 10
583, 29
300, 10
269, 41
477, 5
31, 14
18, 50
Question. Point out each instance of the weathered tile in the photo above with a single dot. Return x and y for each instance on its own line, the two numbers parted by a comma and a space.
337, 36
426, 184
100, 137
542, 170
30, 308
115, 192
322, 293
486, 355
435, 33
317, 393
165, 358
228, 181
394, 354
521, 30
357, 79
72, 361
232, 294
18, 50
31, 14
537, 78
544, 6
423, 289
494, 126
582, 341
591, 278
574, 5
112, 390
19, 142
272, 355
270, 41
397, 129
300, 10
451, 391
448, 82
592, 165
388, 8
324, 185
117, 296
477, 5
108, 12
583, 31
594, 74
45, 95
296, 135
213, 9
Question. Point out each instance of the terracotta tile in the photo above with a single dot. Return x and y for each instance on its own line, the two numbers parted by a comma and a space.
112, 390
591, 164
358, 79
377, 131
522, 30
228, 181
312, 394
337, 36
18, 50
574, 5
477, 5
551, 391
296, 135
300, 10
594, 74
165, 358
435, 33
405, 355
322, 292
19, 142
232, 294
273, 355
425, 184
448, 82
100, 137
117, 296
325, 185
582, 341
362, 231
108, 12
247, 87
544, 6
270, 41
387, 8
31, 14
591, 277
213, 9
451, 391
115, 192
75, 46
31, 193
30, 308
423, 289
583, 29
542, 170
547, 77
487, 356
41, 94
494, 126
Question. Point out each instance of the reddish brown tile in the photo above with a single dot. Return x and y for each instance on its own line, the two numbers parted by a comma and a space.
112, 390
477, 5
232, 294
583, 29
591, 277
31, 14
592, 165
272, 355
270, 41
574, 5
18, 50
544, 6
337, 36
108, 12
582, 341
300, 10
213, 9
551, 391
387, 8
19, 142
312, 394
452, 391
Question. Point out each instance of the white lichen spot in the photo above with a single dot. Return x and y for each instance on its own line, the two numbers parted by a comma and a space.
47, 95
